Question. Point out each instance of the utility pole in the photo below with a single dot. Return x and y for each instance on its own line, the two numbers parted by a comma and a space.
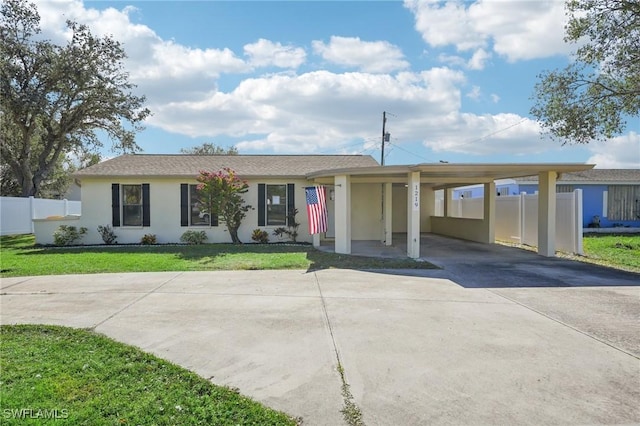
384, 122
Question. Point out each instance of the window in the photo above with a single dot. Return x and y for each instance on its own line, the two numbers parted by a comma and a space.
193, 210
130, 205
275, 203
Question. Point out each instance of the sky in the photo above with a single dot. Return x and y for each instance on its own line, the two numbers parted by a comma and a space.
455, 78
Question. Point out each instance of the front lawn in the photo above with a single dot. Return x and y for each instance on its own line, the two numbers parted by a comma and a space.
59, 375
19, 257
617, 251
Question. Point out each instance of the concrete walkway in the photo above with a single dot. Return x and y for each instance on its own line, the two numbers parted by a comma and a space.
415, 349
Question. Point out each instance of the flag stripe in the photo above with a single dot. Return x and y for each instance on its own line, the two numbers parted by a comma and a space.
316, 209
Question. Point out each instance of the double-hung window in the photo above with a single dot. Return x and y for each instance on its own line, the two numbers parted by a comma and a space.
275, 204
130, 205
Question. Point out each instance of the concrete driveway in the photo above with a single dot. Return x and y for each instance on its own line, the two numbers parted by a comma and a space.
430, 349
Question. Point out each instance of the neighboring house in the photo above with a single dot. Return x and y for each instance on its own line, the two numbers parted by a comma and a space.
156, 194
613, 195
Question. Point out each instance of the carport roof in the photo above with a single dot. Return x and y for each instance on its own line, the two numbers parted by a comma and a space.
449, 174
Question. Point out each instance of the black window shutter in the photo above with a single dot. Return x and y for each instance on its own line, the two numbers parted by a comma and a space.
291, 201
262, 192
146, 207
184, 204
115, 204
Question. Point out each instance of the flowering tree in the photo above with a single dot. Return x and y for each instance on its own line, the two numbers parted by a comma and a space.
220, 194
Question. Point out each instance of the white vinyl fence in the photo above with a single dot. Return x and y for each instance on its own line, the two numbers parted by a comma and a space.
17, 213
517, 218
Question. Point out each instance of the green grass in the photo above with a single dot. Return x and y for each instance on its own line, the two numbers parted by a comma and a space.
19, 257
617, 251
85, 378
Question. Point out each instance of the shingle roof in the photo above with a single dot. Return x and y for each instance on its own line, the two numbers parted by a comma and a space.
246, 166
595, 175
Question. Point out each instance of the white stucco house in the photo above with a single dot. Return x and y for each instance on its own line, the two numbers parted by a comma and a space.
154, 194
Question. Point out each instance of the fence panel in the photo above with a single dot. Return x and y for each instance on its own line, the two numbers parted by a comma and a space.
508, 218
565, 222
530, 220
15, 216
17, 213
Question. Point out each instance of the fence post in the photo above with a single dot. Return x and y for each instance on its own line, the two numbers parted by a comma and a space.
577, 197
66, 207
522, 217
32, 212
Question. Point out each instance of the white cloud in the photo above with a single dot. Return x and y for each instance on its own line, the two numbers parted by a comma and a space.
316, 110
517, 30
495, 98
366, 56
264, 53
474, 93
621, 152
479, 59
490, 134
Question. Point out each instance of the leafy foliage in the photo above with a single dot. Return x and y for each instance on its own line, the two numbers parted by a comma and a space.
292, 227
210, 149
260, 236
221, 193
194, 237
68, 235
108, 236
148, 239
589, 99
54, 98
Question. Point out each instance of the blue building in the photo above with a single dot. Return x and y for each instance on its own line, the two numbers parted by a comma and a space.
610, 197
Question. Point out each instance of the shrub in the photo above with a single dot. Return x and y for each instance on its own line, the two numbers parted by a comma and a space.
292, 227
107, 234
194, 237
148, 239
260, 236
68, 235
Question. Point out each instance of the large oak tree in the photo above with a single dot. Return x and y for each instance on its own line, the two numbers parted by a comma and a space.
55, 98
593, 96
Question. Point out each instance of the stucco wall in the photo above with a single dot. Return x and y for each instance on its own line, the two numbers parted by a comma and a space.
399, 214
44, 228
164, 201
366, 211
467, 229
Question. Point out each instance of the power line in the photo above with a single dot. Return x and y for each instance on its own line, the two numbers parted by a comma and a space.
494, 133
407, 151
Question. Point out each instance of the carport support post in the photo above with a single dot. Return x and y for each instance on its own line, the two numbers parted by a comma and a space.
448, 201
343, 214
413, 215
388, 213
490, 211
547, 214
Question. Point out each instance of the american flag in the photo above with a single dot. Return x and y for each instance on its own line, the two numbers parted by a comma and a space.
316, 209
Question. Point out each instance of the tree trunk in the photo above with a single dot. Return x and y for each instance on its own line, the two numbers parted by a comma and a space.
234, 235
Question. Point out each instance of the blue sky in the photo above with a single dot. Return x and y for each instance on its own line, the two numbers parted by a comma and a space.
301, 77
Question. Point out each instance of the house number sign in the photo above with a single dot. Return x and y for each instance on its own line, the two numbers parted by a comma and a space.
416, 197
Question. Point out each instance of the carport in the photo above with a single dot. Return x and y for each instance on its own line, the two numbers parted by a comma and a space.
368, 201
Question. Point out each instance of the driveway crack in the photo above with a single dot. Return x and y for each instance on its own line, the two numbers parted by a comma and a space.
350, 411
